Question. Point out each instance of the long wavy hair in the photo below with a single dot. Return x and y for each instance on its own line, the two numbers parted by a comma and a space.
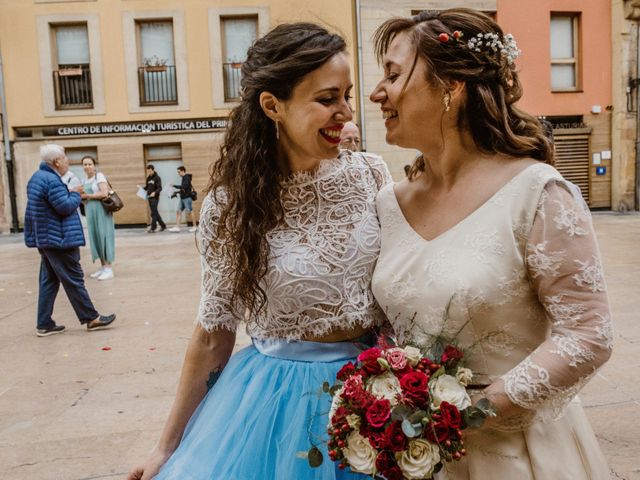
247, 177
496, 125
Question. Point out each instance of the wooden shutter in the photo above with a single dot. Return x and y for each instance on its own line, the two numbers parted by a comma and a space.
572, 156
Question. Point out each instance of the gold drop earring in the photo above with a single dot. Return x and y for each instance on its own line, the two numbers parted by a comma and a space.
277, 131
446, 99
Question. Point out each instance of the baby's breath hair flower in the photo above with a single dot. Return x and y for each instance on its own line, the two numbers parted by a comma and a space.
491, 43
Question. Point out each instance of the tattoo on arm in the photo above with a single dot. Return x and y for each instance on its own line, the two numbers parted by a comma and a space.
213, 377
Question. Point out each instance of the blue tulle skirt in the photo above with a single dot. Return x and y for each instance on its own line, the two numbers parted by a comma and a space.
263, 415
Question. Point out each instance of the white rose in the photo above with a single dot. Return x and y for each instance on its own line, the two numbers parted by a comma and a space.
335, 403
359, 453
446, 388
464, 376
413, 355
418, 460
385, 386
354, 421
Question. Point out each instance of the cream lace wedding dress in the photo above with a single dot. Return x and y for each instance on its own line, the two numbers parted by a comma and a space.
519, 285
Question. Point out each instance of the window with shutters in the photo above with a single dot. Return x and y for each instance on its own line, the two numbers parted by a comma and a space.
156, 63
72, 71
238, 33
564, 52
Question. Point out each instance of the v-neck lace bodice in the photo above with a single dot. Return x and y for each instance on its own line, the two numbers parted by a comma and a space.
518, 282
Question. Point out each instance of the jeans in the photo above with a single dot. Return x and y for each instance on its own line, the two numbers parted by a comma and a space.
155, 216
62, 266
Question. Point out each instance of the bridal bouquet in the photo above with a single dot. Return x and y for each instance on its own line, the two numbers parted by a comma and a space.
399, 414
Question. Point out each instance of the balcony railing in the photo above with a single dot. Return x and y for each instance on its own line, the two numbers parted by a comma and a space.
157, 85
72, 87
232, 73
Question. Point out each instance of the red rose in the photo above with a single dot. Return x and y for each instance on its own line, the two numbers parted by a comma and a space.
385, 461
370, 354
450, 415
436, 432
378, 413
415, 386
376, 439
352, 386
394, 473
395, 439
361, 400
346, 371
443, 37
451, 353
339, 415
369, 360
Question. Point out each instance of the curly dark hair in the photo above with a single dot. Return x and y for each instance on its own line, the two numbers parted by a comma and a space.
248, 172
492, 84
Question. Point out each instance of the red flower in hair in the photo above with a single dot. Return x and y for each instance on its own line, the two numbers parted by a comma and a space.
443, 37
457, 34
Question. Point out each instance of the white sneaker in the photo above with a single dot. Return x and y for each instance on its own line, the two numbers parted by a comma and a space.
107, 274
174, 229
193, 229
97, 273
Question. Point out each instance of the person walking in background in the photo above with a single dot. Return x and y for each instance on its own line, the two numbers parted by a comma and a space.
186, 193
350, 137
52, 225
153, 187
99, 222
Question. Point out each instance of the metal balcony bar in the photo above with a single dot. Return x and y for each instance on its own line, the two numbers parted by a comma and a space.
157, 85
232, 73
72, 87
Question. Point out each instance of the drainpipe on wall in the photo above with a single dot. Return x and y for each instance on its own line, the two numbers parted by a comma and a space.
363, 127
637, 192
8, 154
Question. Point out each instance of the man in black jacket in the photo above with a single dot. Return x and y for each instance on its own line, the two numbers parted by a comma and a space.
185, 190
154, 188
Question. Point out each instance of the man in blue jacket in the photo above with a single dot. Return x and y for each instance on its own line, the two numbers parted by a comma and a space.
52, 225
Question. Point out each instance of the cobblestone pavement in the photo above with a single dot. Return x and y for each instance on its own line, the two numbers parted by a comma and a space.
88, 405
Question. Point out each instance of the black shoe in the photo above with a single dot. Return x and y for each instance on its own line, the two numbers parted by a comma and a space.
102, 322
45, 332
163, 228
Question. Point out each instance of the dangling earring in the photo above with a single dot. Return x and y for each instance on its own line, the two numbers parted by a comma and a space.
446, 99
277, 131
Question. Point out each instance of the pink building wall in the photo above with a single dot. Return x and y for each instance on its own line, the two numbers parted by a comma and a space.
528, 21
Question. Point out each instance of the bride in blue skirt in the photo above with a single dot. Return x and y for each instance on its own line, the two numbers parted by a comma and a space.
288, 238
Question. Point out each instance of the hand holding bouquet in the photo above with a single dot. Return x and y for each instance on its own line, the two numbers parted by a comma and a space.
399, 413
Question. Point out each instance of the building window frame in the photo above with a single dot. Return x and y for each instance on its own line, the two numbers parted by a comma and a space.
573, 61
216, 18
68, 82
130, 36
45, 25
156, 78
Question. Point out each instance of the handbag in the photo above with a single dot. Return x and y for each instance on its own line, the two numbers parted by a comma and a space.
193, 195
112, 202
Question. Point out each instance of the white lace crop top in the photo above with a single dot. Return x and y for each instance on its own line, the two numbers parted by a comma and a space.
321, 256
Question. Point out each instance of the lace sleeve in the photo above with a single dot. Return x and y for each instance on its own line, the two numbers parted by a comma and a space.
563, 265
215, 310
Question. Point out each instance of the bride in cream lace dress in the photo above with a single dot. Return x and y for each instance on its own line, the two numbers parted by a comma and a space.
487, 244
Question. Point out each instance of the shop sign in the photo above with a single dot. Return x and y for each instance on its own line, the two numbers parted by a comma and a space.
135, 127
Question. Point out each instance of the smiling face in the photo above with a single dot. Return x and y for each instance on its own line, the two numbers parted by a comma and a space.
89, 167
411, 106
311, 120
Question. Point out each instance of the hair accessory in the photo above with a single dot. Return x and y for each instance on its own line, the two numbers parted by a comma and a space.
443, 37
492, 43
